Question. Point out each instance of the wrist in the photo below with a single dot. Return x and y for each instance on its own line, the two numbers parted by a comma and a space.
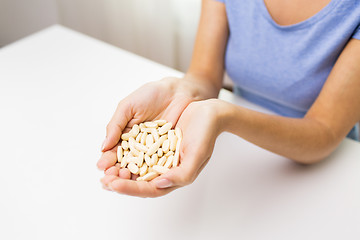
205, 86
223, 114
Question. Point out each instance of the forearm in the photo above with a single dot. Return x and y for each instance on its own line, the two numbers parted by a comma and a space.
207, 87
207, 64
303, 140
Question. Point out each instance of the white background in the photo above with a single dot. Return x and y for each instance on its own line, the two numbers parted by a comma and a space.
161, 30
58, 90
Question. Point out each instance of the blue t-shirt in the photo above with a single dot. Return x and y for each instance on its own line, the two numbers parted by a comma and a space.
283, 68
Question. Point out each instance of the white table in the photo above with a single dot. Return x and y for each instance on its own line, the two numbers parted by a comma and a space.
58, 89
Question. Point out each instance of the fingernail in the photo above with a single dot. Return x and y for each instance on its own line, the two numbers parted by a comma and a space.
103, 144
163, 183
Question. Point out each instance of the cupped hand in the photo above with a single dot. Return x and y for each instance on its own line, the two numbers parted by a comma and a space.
200, 126
164, 99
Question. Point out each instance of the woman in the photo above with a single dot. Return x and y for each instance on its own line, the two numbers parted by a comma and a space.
300, 59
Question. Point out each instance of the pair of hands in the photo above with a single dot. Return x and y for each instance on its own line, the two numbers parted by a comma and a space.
177, 101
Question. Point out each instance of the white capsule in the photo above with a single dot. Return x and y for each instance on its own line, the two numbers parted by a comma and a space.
141, 147
161, 161
132, 142
170, 153
166, 145
160, 169
154, 160
133, 168
178, 132
149, 140
125, 145
148, 160
143, 170
160, 122
119, 153
135, 130
164, 129
134, 152
133, 149
160, 152
151, 124
156, 145
155, 134
143, 138
150, 176
169, 161
138, 137
146, 130
171, 133
127, 153
132, 159
173, 141
177, 153
140, 159
124, 161
125, 136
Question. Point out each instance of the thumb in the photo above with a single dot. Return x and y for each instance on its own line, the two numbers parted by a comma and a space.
179, 176
117, 124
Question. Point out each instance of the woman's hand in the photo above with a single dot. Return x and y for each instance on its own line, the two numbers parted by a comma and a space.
201, 123
164, 99
200, 126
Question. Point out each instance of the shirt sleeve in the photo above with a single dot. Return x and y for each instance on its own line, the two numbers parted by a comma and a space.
223, 1
357, 33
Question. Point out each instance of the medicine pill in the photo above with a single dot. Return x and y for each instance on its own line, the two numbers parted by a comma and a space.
169, 161
148, 160
143, 138
138, 137
133, 168
160, 169
150, 149
119, 153
125, 145
155, 134
149, 176
151, 124
161, 161
160, 152
160, 122
166, 145
164, 129
125, 136
149, 140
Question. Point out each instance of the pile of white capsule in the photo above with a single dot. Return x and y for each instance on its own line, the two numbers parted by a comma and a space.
150, 149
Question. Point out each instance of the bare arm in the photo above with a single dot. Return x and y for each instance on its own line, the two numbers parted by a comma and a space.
207, 64
310, 139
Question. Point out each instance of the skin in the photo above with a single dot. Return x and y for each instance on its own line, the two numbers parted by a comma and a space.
285, 12
187, 102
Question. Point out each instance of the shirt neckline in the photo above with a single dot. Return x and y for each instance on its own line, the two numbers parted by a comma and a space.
307, 22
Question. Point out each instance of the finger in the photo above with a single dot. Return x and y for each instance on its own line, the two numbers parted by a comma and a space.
138, 188
173, 112
112, 171
107, 159
118, 122
178, 176
106, 180
134, 176
124, 173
